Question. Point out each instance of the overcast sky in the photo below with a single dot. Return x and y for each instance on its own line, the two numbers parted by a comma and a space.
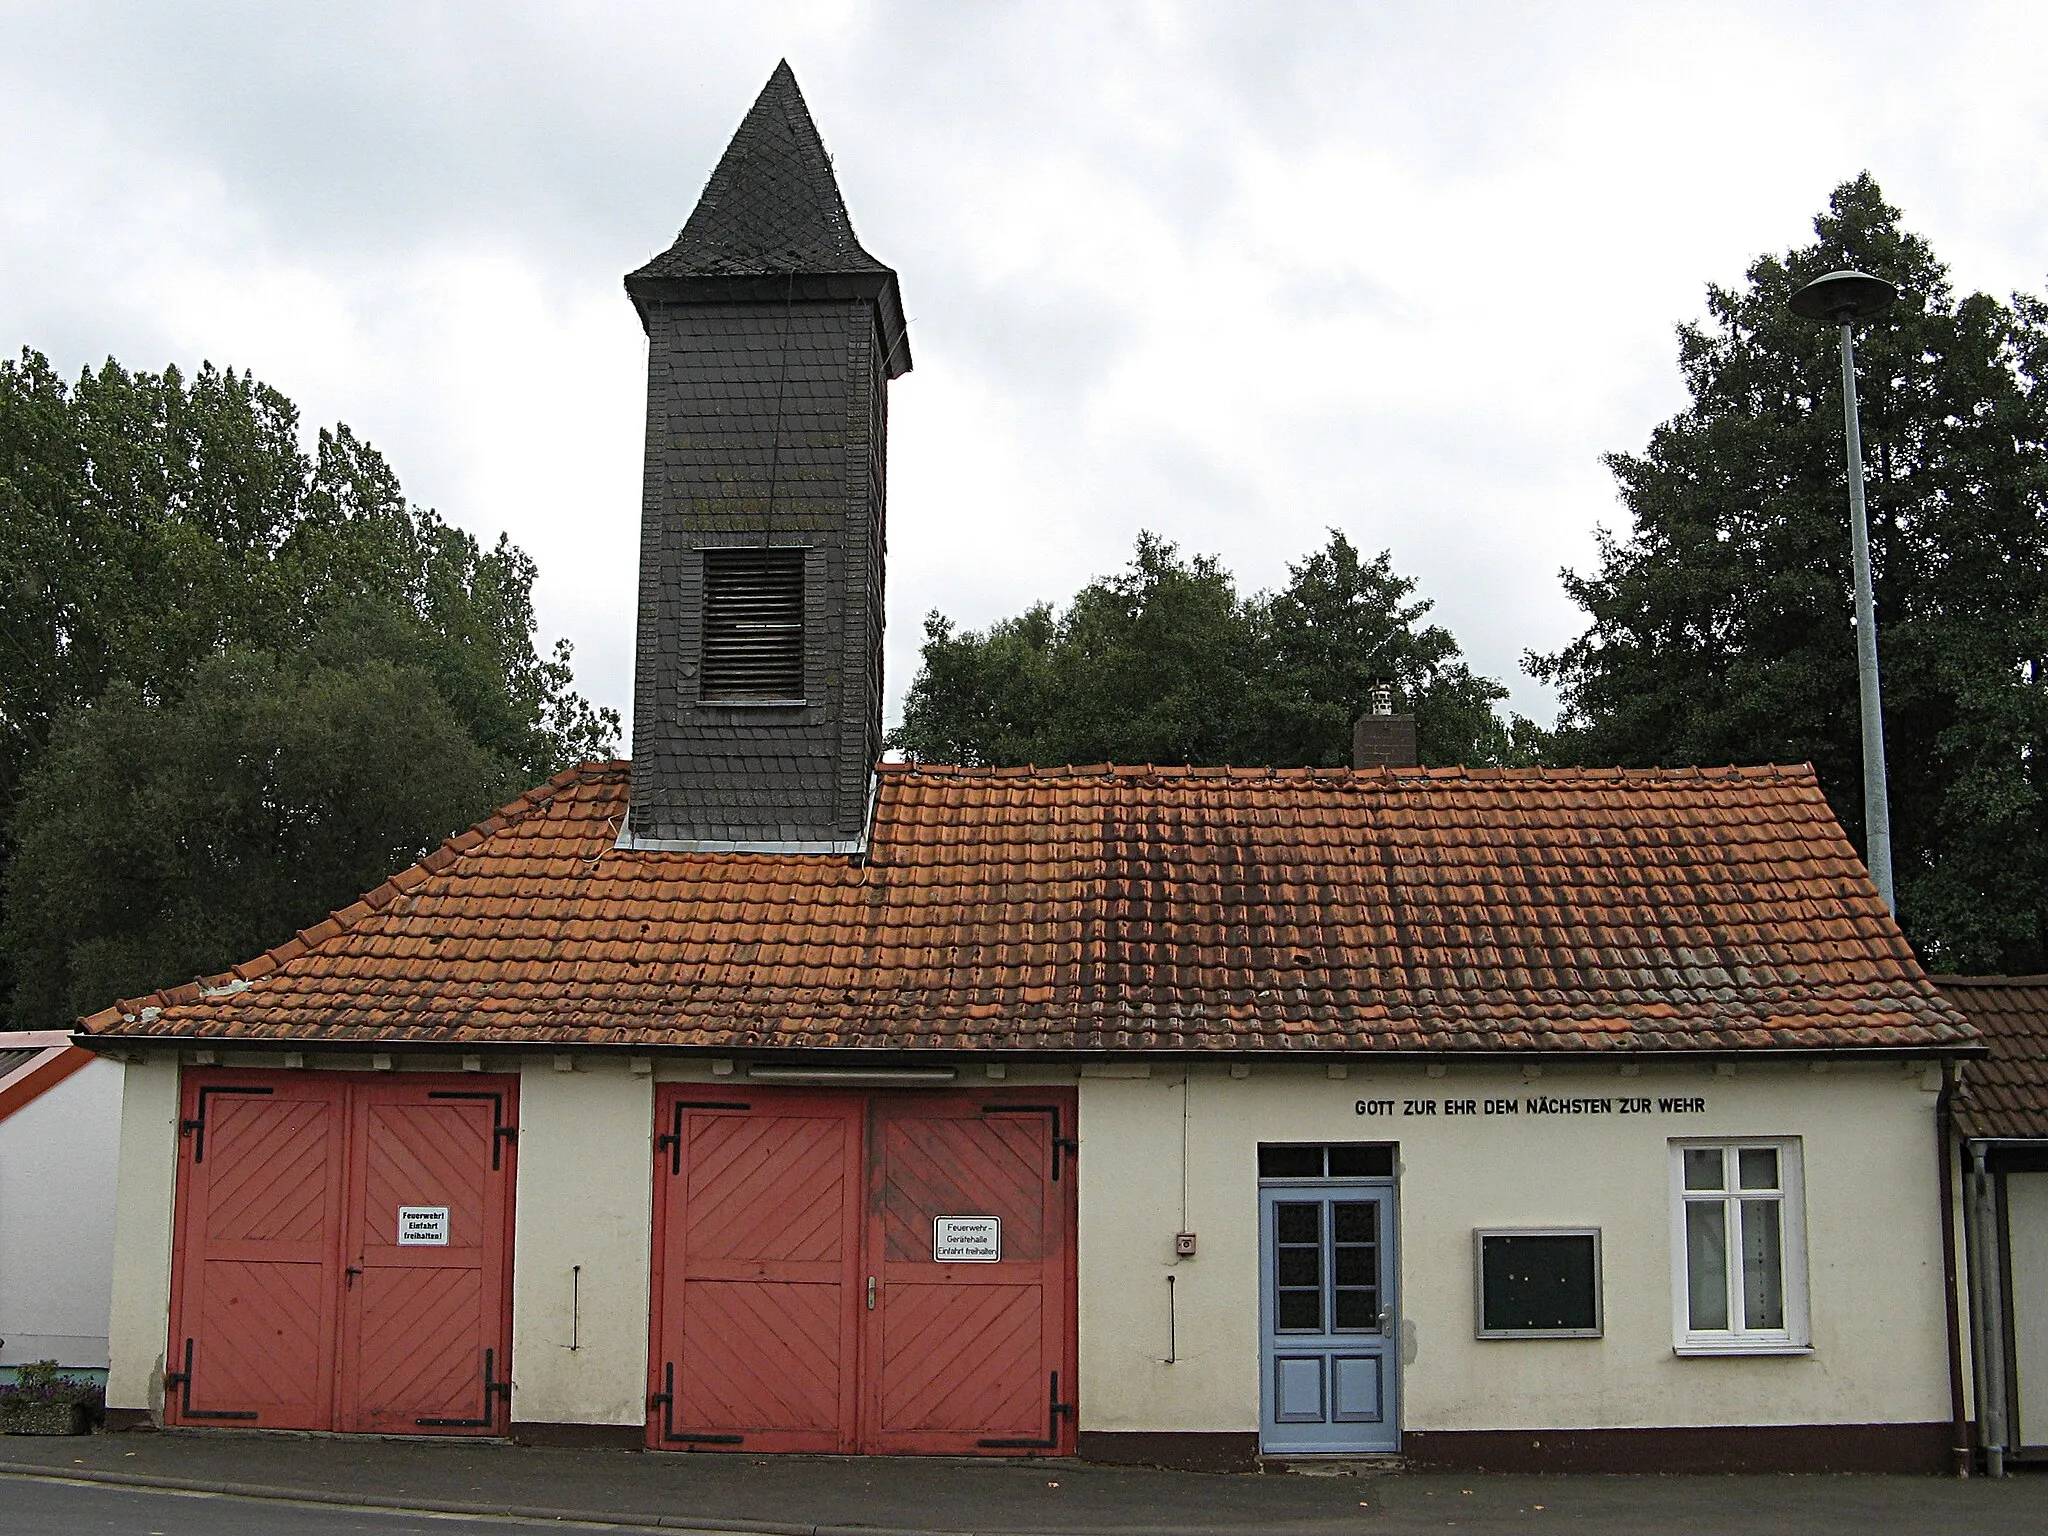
1235, 273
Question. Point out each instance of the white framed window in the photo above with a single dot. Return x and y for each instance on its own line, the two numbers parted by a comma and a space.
1738, 1247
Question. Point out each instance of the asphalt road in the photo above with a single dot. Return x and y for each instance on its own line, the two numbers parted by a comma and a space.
35, 1507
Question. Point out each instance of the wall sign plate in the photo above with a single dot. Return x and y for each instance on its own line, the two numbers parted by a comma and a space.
423, 1226
967, 1239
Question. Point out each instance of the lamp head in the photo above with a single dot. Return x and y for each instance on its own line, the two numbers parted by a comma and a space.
1841, 298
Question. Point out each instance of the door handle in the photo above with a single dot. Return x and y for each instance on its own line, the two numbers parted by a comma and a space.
351, 1271
871, 1293
1386, 1321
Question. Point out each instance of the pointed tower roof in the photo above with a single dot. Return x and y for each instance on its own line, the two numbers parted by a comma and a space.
772, 225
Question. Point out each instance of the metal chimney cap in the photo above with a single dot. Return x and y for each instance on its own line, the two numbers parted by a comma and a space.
1841, 297
1382, 699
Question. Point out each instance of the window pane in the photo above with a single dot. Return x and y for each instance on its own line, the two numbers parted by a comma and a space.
1356, 1221
1358, 1311
1758, 1167
1706, 1262
1358, 1265
1361, 1162
1763, 1265
1300, 1266
1703, 1168
1290, 1162
1298, 1221
1301, 1311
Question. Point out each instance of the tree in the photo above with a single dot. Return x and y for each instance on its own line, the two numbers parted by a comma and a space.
151, 527
147, 523
1721, 626
160, 841
1165, 663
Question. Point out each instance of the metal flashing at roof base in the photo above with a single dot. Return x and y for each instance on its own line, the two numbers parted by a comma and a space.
855, 847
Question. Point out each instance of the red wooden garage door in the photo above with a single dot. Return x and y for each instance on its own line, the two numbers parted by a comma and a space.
801, 1299
342, 1251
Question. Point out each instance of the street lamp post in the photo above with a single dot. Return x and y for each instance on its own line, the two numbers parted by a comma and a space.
1843, 298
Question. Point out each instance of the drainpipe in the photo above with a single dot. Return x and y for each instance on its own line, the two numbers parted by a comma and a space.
1960, 1459
1987, 1331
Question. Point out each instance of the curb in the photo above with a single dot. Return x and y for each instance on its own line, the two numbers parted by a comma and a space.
454, 1506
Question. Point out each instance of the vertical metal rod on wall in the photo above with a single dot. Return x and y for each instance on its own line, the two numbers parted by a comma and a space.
1988, 1319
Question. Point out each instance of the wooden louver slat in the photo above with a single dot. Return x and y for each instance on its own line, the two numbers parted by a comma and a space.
753, 624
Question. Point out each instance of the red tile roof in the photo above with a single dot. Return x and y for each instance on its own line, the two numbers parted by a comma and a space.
1115, 909
2006, 1094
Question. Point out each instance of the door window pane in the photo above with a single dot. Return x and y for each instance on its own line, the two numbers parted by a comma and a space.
1298, 1221
1298, 1266
1706, 1262
1758, 1167
1763, 1268
1703, 1168
1355, 1225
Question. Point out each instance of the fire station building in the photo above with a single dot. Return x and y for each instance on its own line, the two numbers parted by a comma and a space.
750, 1096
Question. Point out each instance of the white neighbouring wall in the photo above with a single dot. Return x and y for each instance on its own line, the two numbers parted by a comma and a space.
144, 1193
58, 1154
2026, 1206
1873, 1243
585, 1197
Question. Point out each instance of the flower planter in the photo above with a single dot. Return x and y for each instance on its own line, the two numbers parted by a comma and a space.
45, 1418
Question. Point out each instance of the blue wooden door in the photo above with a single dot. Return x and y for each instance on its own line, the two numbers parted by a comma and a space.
1327, 1318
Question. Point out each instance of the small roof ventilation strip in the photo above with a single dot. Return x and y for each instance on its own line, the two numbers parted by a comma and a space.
753, 626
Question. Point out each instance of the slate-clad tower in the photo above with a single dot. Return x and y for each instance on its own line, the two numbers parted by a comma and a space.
772, 336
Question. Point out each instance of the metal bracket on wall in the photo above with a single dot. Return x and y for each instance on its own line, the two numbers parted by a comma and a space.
1067, 1144
491, 1389
673, 1140
196, 1128
500, 1131
1055, 1410
183, 1381
665, 1399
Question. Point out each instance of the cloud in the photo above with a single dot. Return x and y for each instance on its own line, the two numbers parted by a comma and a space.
1233, 272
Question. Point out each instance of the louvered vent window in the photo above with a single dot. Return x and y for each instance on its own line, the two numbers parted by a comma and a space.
753, 624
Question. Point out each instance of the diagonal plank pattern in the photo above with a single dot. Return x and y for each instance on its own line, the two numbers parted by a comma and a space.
798, 1302
302, 1309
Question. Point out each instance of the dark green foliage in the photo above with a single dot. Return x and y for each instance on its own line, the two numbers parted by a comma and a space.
1165, 663
166, 542
1721, 625
156, 842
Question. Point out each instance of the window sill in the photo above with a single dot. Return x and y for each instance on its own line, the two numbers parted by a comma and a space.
1703, 1351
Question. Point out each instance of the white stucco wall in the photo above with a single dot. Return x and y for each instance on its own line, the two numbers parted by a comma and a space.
584, 1198
58, 1154
145, 1186
2026, 1196
1873, 1243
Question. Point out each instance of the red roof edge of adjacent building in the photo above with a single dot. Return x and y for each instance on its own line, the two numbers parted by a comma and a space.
56, 1058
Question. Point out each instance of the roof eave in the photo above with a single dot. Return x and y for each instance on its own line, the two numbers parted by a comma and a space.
879, 287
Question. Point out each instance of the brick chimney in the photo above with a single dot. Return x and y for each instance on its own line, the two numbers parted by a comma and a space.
1380, 738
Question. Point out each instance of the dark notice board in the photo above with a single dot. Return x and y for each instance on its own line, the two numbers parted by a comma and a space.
1539, 1282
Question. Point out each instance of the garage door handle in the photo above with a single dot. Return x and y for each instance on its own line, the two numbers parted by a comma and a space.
351, 1271
871, 1293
